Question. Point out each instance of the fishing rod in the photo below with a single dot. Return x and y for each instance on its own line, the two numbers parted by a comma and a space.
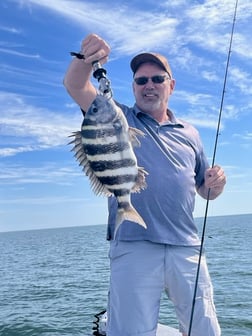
213, 162
99, 73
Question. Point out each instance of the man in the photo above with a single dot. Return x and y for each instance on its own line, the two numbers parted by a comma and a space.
165, 255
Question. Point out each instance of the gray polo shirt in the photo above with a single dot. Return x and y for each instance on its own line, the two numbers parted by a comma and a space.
173, 156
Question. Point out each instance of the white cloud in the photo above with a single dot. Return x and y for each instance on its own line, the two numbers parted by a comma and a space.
125, 35
209, 12
50, 172
11, 151
199, 23
36, 128
18, 53
241, 79
210, 76
242, 45
11, 30
245, 136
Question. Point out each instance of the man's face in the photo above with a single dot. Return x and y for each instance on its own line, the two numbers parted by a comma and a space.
152, 97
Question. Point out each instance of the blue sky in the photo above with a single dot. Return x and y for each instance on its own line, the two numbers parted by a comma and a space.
41, 183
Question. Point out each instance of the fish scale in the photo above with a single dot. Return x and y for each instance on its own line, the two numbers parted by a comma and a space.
104, 147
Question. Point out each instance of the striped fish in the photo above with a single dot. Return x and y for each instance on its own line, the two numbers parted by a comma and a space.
104, 148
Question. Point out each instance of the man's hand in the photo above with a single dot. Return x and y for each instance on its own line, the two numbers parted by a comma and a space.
215, 180
94, 48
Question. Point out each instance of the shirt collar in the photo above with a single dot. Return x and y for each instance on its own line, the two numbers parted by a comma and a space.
172, 119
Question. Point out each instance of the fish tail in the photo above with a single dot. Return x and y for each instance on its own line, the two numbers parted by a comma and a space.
130, 214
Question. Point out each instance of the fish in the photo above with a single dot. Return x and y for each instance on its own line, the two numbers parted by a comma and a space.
104, 148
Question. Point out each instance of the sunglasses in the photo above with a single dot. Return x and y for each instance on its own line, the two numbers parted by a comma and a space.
158, 79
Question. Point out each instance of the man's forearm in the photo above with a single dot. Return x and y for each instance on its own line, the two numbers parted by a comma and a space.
77, 82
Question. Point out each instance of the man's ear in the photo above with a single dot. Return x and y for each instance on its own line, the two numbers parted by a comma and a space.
172, 85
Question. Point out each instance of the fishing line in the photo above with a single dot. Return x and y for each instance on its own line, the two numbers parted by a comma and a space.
213, 162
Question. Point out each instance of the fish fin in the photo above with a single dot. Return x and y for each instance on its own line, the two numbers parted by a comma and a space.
128, 214
97, 187
140, 181
133, 136
80, 155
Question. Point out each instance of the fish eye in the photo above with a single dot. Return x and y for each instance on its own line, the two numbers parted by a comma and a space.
95, 109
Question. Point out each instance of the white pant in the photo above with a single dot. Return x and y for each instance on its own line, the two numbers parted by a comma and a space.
140, 271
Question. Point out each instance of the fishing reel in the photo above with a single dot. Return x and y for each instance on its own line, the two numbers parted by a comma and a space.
99, 73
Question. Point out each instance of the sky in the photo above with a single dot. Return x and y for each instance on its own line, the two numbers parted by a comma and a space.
41, 184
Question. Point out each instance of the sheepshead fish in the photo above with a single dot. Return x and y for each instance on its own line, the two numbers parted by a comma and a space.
104, 147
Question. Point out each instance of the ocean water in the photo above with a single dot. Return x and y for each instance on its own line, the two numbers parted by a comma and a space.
53, 281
